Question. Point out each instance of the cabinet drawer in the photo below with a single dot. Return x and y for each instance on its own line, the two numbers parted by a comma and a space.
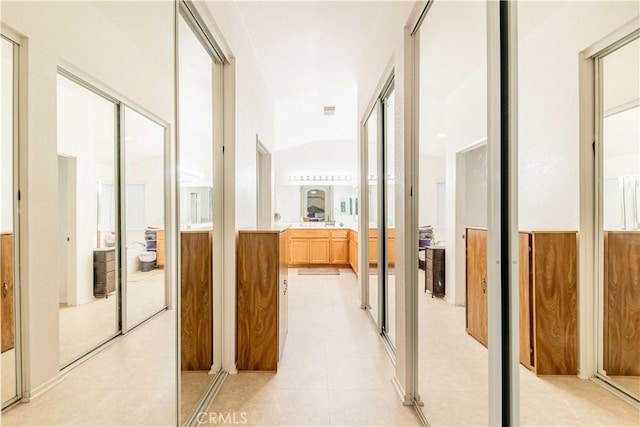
104, 267
339, 234
435, 265
108, 277
309, 234
100, 256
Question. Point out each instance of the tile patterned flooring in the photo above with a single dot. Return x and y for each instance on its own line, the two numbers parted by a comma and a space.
334, 371
131, 382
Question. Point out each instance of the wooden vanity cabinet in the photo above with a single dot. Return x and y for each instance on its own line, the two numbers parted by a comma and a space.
262, 298
547, 295
353, 250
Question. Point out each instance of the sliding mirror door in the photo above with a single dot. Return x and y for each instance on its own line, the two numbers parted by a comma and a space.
8, 228
372, 129
87, 219
619, 207
388, 225
144, 223
200, 184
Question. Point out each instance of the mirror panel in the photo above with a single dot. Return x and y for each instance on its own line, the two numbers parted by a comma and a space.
144, 216
620, 206
87, 245
8, 240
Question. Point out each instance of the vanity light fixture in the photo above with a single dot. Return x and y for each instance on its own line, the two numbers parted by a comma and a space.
320, 178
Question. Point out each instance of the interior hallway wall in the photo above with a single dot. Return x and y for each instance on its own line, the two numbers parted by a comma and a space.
127, 47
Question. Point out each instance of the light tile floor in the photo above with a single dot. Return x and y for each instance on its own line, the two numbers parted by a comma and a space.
131, 382
85, 326
8, 369
453, 373
334, 370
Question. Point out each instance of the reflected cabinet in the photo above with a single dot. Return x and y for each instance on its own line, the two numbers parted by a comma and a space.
548, 298
262, 298
622, 303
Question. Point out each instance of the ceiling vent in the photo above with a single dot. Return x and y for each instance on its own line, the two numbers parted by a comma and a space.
328, 110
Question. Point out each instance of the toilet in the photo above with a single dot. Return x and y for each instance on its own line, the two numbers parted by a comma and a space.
147, 261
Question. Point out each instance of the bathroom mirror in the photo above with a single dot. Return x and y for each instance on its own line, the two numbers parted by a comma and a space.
196, 207
340, 204
315, 200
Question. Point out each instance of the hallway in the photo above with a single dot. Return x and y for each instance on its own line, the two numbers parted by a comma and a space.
334, 371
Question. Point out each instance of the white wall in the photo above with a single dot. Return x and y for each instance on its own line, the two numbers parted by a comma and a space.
548, 109
317, 158
6, 141
127, 47
254, 110
431, 172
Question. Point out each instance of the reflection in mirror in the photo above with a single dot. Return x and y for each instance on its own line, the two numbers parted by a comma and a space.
389, 214
8, 240
315, 200
339, 204
620, 207
195, 156
372, 174
144, 216
87, 279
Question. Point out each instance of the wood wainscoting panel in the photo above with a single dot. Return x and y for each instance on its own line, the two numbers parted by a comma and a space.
622, 303
6, 281
477, 310
525, 282
555, 301
196, 329
257, 294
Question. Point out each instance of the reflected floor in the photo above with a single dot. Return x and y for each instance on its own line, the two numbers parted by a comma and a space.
334, 370
391, 303
9, 374
629, 383
193, 384
132, 382
453, 373
85, 326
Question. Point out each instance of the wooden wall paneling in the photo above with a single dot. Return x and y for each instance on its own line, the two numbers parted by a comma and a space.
525, 285
622, 303
6, 281
196, 331
555, 302
477, 310
257, 301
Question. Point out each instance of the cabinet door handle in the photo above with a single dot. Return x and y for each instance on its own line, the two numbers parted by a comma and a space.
483, 283
5, 289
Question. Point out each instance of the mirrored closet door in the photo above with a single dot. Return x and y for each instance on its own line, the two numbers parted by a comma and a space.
9, 308
200, 211
618, 204
88, 244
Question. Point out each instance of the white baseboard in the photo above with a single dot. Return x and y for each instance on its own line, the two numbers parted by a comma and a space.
28, 396
406, 399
